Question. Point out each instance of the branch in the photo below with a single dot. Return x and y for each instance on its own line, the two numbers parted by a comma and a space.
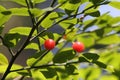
46, 65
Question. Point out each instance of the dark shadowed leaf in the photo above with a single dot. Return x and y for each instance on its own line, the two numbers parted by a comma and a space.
94, 14
49, 72
11, 39
100, 64
83, 59
63, 56
91, 56
70, 69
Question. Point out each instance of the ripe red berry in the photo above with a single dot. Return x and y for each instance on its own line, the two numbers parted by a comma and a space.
78, 46
49, 44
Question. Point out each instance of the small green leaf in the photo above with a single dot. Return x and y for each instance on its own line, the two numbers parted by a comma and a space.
3, 59
64, 56
91, 56
100, 64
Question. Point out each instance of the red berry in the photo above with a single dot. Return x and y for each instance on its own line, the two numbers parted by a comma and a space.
49, 44
78, 46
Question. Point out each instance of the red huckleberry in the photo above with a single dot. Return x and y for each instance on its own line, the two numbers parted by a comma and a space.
49, 44
78, 46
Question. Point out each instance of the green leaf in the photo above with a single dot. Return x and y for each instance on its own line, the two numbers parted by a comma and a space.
95, 13
91, 56
71, 6
103, 31
47, 35
100, 64
24, 11
96, 2
19, 11
3, 59
3, 68
22, 72
70, 69
4, 15
49, 72
86, 39
11, 39
111, 39
37, 12
115, 4
48, 21
64, 56
68, 23
22, 30
35, 60
83, 59
62, 1
109, 77
2, 8
32, 46
37, 75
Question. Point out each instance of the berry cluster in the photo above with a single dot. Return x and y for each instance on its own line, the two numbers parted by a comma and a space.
77, 46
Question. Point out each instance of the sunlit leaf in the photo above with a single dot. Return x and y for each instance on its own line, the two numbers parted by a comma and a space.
22, 30
32, 46
48, 21
112, 39
115, 4
3, 59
